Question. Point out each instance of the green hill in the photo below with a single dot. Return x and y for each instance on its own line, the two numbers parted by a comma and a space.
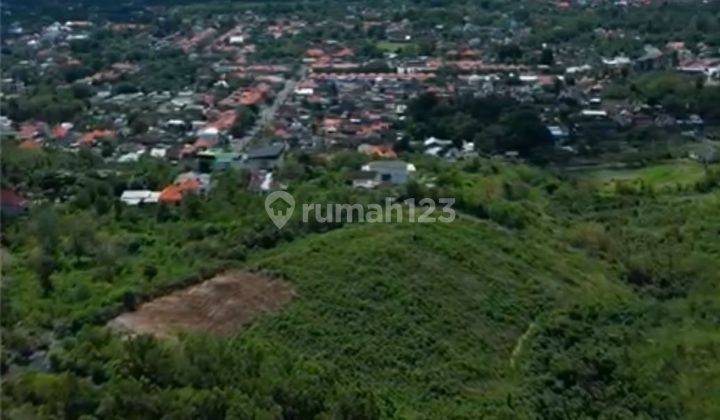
430, 316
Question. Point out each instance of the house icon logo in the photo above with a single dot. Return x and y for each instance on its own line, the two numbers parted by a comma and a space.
279, 206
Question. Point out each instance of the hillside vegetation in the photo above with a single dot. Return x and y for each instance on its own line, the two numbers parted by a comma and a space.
548, 297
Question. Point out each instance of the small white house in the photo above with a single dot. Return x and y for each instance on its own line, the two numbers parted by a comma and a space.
136, 197
305, 91
130, 157
208, 133
236, 40
365, 179
158, 152
619, 61
436, 142
596, 113
390, 171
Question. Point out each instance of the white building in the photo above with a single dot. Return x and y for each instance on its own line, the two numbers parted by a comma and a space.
136, 197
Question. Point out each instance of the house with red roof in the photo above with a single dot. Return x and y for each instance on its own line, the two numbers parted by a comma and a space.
32, 130
315, 52
345, 52
30, 145
61, 131
187, 183
224, 121
383, 151
172, 194
91, 137
206, 143
247, 97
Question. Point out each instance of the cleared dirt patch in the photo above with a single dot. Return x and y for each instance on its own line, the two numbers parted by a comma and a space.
221, 305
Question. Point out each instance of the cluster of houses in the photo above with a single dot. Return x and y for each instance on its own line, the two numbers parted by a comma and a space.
173, 194
245, 110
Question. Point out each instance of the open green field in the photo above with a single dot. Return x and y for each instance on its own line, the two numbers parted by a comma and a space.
388, 46
658, 176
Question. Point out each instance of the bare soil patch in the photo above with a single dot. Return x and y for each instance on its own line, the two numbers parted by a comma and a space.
221, 306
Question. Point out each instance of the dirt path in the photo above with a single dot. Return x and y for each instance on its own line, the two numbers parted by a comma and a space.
221, 306
519, 344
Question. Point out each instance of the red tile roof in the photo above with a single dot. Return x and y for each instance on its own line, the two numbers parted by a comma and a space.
204, 144
60, 132
224, 121
91, 137
345, 52
30, 145
189, 185
315, 52
381, 151
172, 194
30, 130
251, 97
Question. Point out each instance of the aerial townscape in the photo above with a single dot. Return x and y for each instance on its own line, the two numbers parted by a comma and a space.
563, 158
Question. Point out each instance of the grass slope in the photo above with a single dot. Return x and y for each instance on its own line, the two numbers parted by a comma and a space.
429, 316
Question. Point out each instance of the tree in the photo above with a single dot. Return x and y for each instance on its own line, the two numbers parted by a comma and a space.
292, 170
125, 88
81, 91
139, 125
525, 132
191, 206
149, 272
107, 257
415, 190
45, 266
509, 52
547, 57
46, 231
370, 50
163, 213
246, 119
81, 237
422, 106
129, 301
358, 404
102, 205
107, 148
488, 139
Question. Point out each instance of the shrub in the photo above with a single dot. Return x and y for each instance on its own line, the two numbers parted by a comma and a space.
130, 301
591, 237
508, 214
149, 272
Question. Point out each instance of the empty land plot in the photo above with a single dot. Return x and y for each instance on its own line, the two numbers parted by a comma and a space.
221, 306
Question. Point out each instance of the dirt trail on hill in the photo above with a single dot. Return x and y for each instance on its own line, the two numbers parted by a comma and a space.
221, 306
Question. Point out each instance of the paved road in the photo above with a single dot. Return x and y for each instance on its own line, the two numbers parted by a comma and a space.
267, 114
